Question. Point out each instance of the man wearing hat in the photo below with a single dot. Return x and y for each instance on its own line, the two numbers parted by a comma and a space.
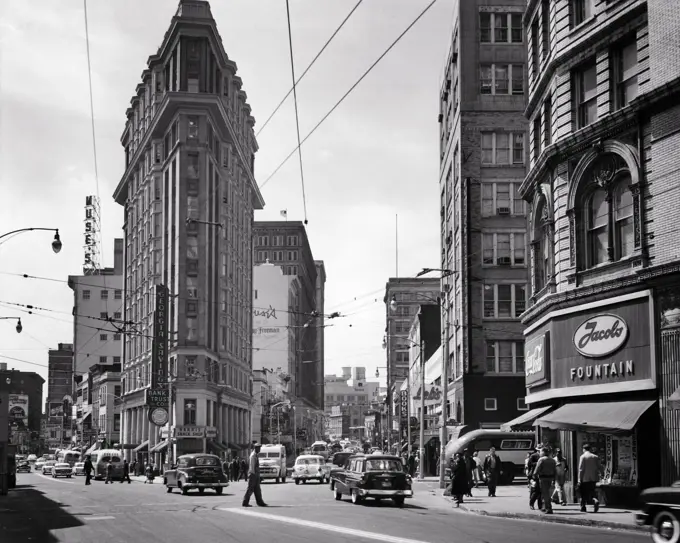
254, 478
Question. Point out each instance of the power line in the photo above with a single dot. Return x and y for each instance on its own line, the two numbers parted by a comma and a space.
308, 68
297, 116
337, 104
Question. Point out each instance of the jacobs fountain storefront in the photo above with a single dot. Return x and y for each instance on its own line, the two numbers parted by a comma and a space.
591, 378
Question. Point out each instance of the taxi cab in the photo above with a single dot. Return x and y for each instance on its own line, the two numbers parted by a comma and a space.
310, 467
199, 471
376, 476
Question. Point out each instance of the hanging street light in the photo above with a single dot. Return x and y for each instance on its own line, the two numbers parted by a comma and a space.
56, 242
19, 327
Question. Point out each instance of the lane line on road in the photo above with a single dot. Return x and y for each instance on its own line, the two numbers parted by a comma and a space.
57, 480
321, 526
99, 518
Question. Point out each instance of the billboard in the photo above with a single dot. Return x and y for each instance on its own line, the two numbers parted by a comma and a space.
18, 410
55, 412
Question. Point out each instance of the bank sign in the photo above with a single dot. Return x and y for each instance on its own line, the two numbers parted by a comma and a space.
602, 345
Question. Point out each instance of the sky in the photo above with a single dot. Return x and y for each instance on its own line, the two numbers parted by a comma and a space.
375, 158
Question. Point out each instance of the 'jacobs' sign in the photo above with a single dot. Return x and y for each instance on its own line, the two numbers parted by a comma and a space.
601, 335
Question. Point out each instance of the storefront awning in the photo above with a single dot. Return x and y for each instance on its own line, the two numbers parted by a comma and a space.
524, 420
159, 447
605, 417
234, 446
216, 447
142, 447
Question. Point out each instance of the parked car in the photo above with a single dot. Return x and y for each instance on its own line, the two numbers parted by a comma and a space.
79, 468
199, 471
310, 467
660, 509
338, 462
23, 467
62, 469
377, 477
47, 467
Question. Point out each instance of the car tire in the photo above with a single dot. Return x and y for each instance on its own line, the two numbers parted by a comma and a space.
297, 481
356, 499
665, 521
184, 490
169, 489
219, 490
338, 495
398, 501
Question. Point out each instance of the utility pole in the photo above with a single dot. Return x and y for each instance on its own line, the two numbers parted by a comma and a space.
445, 389
421, 471
388, 396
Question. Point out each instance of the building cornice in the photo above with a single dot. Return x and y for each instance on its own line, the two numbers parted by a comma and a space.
608, 126
609, 289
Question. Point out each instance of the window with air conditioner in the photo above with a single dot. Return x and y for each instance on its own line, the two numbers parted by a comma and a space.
504, 249
504, 300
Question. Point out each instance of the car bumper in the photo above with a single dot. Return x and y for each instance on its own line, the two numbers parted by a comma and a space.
308, 476
270, 475
641, 519
369, 493
204, 485
62, 474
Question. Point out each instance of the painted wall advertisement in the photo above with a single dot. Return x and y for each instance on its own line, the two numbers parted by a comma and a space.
18, 409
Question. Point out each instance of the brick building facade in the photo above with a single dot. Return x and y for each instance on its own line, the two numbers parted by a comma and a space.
483, 217
604, 189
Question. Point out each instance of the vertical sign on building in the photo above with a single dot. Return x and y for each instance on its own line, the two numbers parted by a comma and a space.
92, 261
159, 353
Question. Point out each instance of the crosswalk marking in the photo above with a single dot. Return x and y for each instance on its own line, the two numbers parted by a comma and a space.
321, 526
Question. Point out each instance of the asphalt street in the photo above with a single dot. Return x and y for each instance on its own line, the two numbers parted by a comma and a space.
44, 510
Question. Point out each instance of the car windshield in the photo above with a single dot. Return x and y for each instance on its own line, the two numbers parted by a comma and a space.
383, 464
268, 455
206, 461
50, 463
308, 461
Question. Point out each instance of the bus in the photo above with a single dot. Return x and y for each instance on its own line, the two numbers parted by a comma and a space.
68, 456
511, 447
102, 457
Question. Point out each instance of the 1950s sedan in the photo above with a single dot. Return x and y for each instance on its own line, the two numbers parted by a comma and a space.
376, 476
660, 509
199, 471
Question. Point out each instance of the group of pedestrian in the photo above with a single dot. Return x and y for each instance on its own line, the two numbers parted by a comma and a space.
236, 469
547, 474
468, 471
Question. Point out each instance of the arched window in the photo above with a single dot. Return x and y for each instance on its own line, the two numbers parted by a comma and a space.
542, 241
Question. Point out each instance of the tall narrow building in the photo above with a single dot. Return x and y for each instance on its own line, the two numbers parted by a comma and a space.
285, 244
483, 216
189, 194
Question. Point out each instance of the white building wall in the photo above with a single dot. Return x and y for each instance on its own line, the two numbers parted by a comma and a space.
92, 346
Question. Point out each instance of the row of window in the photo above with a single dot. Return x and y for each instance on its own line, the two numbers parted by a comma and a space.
105, 337
277, 241
491, 404
502, 198
277, 255
504, 249
103, 294
105, 359
502, 148
501, 79
501, 28
504, 301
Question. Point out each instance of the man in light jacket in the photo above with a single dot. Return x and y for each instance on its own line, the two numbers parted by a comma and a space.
254, 478
589, 472
544, 473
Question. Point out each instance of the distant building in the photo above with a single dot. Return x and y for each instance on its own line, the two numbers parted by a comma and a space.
107, 400
24, 408
408, 294
96, 298
350, 390
285, 243
59, 395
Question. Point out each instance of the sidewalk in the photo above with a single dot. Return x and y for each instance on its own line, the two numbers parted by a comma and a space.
513, 502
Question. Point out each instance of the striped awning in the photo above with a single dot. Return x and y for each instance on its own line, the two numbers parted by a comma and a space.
141, 447
159, 447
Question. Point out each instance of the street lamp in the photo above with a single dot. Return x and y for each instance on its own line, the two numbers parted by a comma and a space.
56, 242
445, 370
18, 328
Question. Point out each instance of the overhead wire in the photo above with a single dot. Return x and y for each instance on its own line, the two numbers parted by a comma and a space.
297, 115
276, 109
351, 89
